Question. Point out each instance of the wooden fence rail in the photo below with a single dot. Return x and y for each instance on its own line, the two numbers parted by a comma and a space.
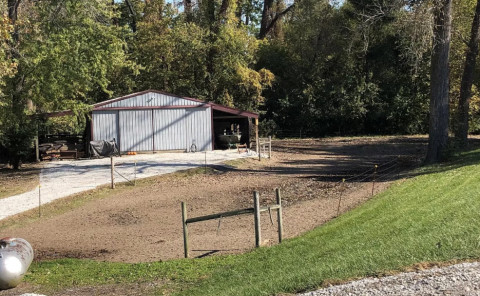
256, 210
263, 143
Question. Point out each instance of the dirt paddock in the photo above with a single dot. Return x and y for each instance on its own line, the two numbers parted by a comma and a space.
143, 223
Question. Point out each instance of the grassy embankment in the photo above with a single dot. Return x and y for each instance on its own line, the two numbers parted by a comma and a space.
433, 217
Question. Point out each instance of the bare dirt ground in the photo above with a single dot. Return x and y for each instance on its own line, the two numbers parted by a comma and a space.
143, 223
15, 182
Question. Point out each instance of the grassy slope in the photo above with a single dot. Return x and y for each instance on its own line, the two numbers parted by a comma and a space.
433, 217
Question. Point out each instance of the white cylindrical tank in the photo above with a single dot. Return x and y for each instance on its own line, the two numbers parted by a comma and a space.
16, 255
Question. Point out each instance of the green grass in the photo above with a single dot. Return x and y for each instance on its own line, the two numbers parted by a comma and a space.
433, 217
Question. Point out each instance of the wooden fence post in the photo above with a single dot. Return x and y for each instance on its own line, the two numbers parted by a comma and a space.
256, 215
135, 174
112, 168
340, 197
39, 200
256, 136
259, 150
269, 147
185, 230
37, 151
373, 181
279, 215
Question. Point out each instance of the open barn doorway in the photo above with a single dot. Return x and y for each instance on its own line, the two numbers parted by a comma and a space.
232, 129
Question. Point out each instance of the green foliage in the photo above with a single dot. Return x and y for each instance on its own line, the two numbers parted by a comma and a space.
251, 14
16, 138
78, 51
357, 68
7, 66
206, 62
351, 79
67, 53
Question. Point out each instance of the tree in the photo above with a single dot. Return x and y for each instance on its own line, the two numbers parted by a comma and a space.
271, 16
66, 52
439, 85
7, 65
461, 132
207, 60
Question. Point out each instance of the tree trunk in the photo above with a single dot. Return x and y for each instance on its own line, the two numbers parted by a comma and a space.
212, 51
187, 5
13, 15
266, 18
239, 12
461, 131
439, 82
222, 14
133, 23
269, 20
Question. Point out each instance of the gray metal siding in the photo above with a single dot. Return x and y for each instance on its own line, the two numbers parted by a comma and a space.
105, 125
136, 130
170, 133
199, 128
155, 129
151, 99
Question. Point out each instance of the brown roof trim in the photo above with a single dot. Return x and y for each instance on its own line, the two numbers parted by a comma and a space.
214, 105
153, 107
142, 93
204, 104
233, 111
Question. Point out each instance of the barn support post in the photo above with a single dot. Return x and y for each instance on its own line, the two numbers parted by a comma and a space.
185, 229
279, 215
256, 215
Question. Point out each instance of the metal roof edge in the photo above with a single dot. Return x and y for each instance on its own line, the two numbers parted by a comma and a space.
215, 106
142, 93
231, 110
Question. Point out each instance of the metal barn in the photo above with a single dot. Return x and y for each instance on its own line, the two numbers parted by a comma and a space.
153, 120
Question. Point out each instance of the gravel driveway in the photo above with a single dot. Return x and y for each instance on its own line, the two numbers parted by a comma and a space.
460, 279
63, 178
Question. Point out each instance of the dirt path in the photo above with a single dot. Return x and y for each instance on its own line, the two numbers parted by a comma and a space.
63, 178
16, 182
144, 224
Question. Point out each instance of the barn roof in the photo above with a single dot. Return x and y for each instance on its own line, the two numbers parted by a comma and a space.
110, 104
215, 106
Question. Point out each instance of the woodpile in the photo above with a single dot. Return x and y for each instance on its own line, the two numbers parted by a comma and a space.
60, 150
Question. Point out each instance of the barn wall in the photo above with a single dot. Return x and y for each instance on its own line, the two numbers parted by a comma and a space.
157, 129
105, 125
136, 130
169, 129
199, 128
151, 99
149, 129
